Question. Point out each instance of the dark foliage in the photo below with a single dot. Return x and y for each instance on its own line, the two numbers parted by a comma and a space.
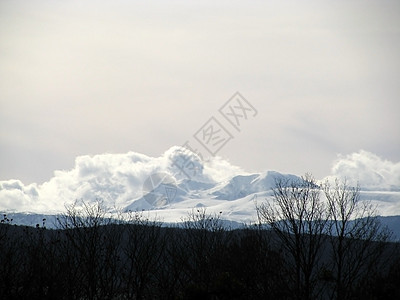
96, 258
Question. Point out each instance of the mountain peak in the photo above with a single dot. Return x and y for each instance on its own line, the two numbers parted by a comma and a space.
176, 181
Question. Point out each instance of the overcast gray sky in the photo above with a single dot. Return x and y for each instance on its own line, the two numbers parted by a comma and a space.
89, 77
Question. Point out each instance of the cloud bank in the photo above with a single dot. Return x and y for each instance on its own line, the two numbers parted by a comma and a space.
369, 170
118, 178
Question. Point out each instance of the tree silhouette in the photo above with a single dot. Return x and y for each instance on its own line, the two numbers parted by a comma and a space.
357, 238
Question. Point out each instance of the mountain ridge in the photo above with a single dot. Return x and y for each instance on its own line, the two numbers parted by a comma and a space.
159, 186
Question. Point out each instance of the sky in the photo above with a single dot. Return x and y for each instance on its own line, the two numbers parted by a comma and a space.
78, 78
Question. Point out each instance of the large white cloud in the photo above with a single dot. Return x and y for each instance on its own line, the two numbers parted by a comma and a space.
369, 170
116, 178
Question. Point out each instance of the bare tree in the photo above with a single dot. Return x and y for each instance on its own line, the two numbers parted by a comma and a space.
298, 216
357, 238
91, 250
203, 243
11, 258
143, 250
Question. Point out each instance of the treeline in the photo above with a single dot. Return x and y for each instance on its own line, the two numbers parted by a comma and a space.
89, 258
299, 256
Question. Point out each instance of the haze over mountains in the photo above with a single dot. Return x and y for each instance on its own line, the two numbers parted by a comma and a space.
172, 184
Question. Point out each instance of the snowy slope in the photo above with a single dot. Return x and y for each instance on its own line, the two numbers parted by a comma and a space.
161, 188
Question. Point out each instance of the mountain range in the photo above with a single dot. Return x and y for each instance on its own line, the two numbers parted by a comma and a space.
165, 187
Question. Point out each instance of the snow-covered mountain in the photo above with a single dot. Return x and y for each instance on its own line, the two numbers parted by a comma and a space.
168, 187
242, 185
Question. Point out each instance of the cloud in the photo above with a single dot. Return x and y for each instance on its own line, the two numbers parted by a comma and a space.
369, 170
220, 169
116, 178
14, 194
